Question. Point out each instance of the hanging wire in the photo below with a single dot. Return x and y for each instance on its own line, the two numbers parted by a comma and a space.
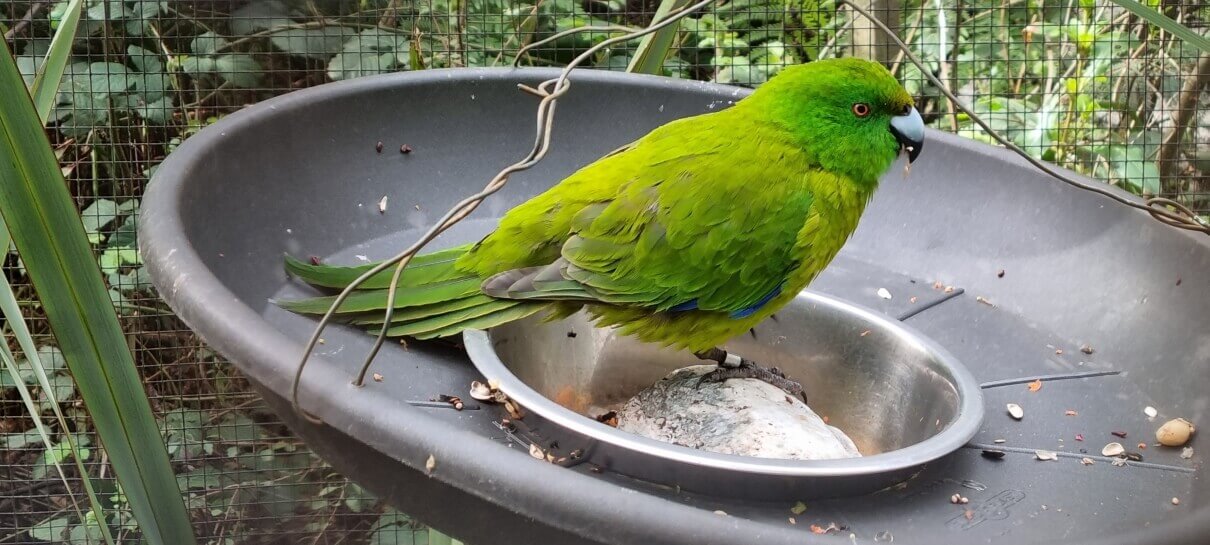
549, 91
1179, 216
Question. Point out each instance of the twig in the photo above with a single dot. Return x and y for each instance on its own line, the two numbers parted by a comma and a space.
1186, 106
26, 20
549, 91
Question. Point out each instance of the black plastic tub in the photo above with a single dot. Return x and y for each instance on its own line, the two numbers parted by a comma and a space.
1037, 269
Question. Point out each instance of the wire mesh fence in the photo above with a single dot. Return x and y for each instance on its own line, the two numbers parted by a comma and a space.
1084, 84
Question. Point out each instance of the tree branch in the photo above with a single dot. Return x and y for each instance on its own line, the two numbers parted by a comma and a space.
1195, 82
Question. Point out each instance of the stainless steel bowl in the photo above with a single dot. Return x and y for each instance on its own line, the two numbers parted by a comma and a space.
902, 399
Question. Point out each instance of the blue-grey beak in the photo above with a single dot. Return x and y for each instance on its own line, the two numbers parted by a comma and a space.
909, 131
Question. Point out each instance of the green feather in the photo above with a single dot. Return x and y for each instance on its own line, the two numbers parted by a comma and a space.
368, 300
411, 314
444, 321
486, 321
424, 269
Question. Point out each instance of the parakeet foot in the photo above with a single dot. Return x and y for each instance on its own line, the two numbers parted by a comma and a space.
732, 366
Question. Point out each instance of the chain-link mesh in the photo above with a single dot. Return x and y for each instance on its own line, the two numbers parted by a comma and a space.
1084, 84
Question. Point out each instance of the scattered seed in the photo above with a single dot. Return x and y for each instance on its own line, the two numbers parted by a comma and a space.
315, 260
1118, 462
382, 205
984, 300
1000, 441
912, 300
799, 508
792, 521
938, 285
1015, 411
362, 258
721, 513
405, 149
1187, 453
949, 289
1150, 411
1178, 280
1142, 446
1070, 412
970, 515
1046, 455
1087, 461
1175, 432
536, 452
955, 498
378, 147
864, 333
320, 341
883, 293
1121, 434
1035, 385
454, 401
377, 377
430, 464
1176, 501
571, 334
1079, 437
1113, 449
513, 409
1134, 457
1059, 351
1086, 348
991, 454
959, 499
1000, 273
817, 529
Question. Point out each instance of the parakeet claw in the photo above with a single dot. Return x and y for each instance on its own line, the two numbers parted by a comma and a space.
747, 369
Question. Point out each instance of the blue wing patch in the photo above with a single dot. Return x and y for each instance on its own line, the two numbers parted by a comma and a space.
746, 312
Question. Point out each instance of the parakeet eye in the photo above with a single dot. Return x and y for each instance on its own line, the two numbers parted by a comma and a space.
861, 109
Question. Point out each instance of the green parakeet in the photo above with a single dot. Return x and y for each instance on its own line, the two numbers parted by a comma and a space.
687, 237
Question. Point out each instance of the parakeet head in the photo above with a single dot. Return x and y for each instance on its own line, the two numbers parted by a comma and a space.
850, 114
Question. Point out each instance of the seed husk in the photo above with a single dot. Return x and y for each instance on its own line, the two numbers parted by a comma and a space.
1113, 449
1150, 411
480, 391
1046, 455
992, 454
1015, 411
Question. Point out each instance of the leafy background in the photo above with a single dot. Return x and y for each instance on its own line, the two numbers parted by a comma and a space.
1080, 83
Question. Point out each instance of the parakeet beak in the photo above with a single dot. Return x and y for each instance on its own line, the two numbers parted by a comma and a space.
909, 131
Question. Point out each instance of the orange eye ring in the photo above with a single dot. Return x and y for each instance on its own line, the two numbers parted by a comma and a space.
861, 109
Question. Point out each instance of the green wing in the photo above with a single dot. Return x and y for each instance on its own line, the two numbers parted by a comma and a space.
713, 230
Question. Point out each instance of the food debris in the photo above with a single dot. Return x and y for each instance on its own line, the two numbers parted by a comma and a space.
864, 333
883, 293
315, 260
1150, 412
1187, 453
320, 340
1086, 348
1070, 412
1087, 461
609, 419
430, 464
377, 377
1175, 432
378, 147
382, 205
1118, 462
992, 454
970, 515
1000, 441
799, 508
948, 289
362, 258
1113, 449
536, 452
1000, 273
480, 391
1134, 457
1035, 385
513, 409
1079, 437
831, 527
1046, 455
1059, 351
912, 300
405, 149
721, 513
1121, 434
984, 300
1176, 500
938, 285
1015, 411
958, 499
454, 401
